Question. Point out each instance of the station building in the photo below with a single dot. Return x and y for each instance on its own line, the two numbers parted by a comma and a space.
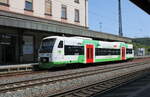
23, 24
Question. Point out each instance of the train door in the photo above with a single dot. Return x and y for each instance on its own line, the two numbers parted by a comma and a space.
123, 53
89, 53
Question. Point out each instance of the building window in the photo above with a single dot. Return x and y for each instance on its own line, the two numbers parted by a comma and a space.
64, 12
4, 2
28, 45
77, 17
76, 1
29, 5
48, 7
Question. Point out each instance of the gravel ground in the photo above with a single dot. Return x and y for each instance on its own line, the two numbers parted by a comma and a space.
51, 73
43, 91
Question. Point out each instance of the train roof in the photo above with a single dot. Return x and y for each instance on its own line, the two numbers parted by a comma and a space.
79, 38
51, 37
74, 37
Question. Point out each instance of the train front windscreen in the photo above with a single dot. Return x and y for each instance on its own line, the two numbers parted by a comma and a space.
47, 45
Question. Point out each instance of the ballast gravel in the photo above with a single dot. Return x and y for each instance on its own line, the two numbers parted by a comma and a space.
52, 73
49, 89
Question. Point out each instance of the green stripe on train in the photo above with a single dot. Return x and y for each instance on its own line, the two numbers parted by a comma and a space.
108, 59
61, 63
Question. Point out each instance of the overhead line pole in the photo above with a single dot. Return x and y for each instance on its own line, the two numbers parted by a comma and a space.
120, 18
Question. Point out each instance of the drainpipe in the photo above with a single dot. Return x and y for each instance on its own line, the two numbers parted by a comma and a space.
85, 13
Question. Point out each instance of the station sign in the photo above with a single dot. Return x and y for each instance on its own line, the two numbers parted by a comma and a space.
5, 39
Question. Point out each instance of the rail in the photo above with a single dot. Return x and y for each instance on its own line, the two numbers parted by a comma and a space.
47, 80
102, 87
16, 69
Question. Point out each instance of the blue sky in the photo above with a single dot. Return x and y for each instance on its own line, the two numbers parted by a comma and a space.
103, 16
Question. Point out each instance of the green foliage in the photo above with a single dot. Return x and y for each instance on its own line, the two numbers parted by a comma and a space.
142, 43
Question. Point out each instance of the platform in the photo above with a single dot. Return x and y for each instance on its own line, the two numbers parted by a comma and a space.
139, 57
17, 67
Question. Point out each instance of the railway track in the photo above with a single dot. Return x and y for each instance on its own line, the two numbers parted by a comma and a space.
137, 88
102, 87
21, 73
9, 87
17, 71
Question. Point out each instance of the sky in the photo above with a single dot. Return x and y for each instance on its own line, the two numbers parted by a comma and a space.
103, 16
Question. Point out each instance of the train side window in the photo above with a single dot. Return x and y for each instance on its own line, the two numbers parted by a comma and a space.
60, 44
129, 51
73, 50
106, 51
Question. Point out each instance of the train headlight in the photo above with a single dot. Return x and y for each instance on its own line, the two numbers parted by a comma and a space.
44, 60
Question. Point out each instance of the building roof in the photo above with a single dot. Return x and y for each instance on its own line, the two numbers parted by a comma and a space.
143, 4
16, 20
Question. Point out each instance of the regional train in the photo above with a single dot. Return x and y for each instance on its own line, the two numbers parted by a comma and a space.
58, 51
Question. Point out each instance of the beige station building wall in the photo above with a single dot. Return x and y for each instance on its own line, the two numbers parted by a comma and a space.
18, 6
